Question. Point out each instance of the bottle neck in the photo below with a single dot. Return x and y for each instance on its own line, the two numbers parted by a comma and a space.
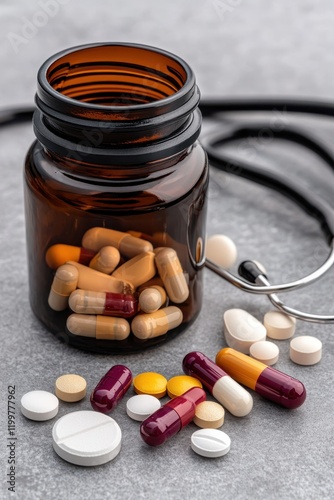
120, 104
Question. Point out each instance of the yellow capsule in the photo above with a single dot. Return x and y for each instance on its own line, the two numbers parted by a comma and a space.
171, 273
106, 260
129, 246
100, 327
64, 283
152, 298
146, 326
137, 270
92, 280
176, 386
150, 383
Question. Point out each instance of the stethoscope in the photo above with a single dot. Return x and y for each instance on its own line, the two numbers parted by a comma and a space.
254, 279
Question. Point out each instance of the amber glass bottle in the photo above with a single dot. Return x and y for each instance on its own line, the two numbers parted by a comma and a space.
117, 128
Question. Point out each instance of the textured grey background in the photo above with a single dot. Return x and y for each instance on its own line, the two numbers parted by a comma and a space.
236, 48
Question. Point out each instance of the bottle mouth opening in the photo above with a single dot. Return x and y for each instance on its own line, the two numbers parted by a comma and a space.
105, 80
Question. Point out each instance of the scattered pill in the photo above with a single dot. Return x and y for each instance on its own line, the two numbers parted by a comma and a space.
146, 326
59, 254
104, 303
221, 250
152, 298
279, 326
89, 279
210, 443
150, 383
141, 406
99, 327
265, 351
71, 387
176, 386
39, 405
106, 260
223, 388
137, 270
172, 417
241, 330
111, 389
128, 245
171, 273
209, 415
64, 283
305, 350
265, 380
86, 438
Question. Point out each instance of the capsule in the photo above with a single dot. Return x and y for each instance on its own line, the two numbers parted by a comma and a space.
171, 273
89, 279
64, 283
137, 270
222, 387
146, 326
105, 303
106, 260
172, 417
265, 380
129, 246
99, 327
111, 389
59, 254
152, 298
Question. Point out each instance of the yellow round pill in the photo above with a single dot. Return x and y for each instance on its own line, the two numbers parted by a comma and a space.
71, 387
180, 384
150, 383
209, 415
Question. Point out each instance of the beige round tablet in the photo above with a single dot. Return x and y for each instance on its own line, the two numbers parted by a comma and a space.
221, 250
209, 415
71, 387
305, 350
279, 326
265, 351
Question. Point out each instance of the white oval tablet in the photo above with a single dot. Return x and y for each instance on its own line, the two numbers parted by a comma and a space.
142, 406
279, 325
305, 350
242, 330
210, 443
221, 250
39, 405
86, 438
265, 351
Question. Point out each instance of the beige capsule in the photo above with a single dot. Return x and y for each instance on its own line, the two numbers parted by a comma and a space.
171, 273
64, 283
152, 298
100, 327
137, 270
106, 260
146, 326
89, 279
128, 245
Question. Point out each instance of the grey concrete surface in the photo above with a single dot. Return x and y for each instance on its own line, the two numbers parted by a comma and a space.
236, 48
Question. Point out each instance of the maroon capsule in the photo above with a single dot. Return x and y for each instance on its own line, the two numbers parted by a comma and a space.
171, 417
111, 388
105, 303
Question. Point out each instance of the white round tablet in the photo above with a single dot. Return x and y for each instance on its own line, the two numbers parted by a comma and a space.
241, 330
86, 438
142, 406
305, 350
279, 325
265, 351
39, 405
210, 443
221, 250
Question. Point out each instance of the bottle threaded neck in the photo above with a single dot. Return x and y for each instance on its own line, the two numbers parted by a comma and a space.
116, 103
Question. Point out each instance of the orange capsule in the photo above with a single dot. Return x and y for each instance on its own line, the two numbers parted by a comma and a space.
59, 254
